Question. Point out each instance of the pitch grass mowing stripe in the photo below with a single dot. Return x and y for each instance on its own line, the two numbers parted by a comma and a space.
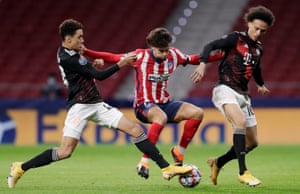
111, 169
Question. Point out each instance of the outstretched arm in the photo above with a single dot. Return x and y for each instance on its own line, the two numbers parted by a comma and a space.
88, 70
106, 56
195, 58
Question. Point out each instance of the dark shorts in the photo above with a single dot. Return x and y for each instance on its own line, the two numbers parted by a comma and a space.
170, 108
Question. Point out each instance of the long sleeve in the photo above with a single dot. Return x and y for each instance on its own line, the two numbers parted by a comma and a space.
106, 56
257, 75
223, 43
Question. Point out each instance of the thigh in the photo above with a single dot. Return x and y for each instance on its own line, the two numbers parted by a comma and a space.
234, 115
223, 95
249, 114
130, 127
171, 109
142, 112
107, 115
188, 111
75, 121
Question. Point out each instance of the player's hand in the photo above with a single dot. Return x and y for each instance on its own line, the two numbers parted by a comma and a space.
263, 90
98, 63
82, 49
128, 59
198, 73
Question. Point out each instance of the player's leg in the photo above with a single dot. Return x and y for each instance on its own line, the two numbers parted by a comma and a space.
42, 159
235, 115
144, 145
251, 142
237, 118
150, 113
72, 131
251, 137
193, 116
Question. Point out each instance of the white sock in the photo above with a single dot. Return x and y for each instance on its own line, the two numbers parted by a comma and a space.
181, 149
146, 160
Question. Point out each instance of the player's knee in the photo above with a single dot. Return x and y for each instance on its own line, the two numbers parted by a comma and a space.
136, 131
162, 120
199, 113
240, 124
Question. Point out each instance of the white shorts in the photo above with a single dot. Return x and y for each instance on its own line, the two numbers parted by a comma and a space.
223, 94
100, 113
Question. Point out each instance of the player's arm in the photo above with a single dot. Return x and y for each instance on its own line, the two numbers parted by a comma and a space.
257, 75
86, 68
106, 56
195, 58
224, 43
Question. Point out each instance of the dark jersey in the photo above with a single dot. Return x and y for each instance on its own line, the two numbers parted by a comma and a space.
79, 77
241, 60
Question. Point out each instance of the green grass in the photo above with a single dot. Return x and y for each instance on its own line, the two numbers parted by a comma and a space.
110, 169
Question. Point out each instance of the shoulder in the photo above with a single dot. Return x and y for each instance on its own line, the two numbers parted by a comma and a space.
175, 52
140, 53
66, 57
64, 53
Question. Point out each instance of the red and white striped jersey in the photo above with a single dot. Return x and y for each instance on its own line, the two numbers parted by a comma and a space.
152, 74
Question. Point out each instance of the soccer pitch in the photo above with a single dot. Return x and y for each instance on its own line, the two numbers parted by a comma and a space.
111, 169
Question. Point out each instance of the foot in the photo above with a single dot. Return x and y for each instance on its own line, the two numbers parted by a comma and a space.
177, 156
212, 162
15, 174
172, 170
143, 169
248, 179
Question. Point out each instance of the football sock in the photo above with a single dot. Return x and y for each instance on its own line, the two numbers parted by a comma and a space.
181, 149
42, 159
190, 128
145, 146
239, 144
153, 134
230, 155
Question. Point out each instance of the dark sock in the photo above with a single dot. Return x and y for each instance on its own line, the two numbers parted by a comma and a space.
239, 143
145, 146
230, 155
42, 159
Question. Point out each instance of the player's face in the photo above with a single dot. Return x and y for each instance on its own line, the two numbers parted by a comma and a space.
76, 40
161, 53
256, 29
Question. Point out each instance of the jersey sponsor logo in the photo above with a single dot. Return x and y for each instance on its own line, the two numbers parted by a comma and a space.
158, 78
82, 60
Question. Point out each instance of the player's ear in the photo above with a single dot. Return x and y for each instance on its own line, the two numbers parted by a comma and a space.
68, 39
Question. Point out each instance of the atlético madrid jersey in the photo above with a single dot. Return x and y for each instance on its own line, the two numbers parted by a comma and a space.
152, 74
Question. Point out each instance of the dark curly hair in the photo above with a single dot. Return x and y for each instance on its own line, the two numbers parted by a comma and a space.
69, 27
159, 37
260, 12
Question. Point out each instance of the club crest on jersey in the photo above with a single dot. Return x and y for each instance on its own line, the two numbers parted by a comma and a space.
82, 60
170, 64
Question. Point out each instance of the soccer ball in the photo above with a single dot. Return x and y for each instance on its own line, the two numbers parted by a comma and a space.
192, 178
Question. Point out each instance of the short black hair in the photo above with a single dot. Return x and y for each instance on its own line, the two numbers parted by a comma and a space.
260, 12
159, 37
69, 27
